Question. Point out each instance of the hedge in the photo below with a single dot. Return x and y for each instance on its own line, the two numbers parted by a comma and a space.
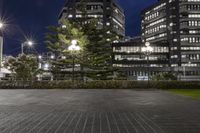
112, 84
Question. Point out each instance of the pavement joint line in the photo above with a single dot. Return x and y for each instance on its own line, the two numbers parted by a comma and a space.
88, 111
139, 123
79, 119
35, 117
58, 121
4, 115
131, 123
109, 128
142, 114
5, 122
40, 122
41, 116
70, 122
63, 122
85, 122
52, 118
16, 125
150, 126
97, 123
121, 127
123, 123
115, 122
100, 124
92, 129
60, 117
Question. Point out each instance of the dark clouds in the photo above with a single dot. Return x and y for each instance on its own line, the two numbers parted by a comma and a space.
31, 17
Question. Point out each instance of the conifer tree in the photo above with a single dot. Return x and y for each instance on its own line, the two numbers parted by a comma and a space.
95, 40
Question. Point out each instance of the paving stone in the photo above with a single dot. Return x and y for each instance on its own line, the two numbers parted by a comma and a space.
97, 111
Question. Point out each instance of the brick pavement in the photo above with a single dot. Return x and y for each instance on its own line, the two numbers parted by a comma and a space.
97, 111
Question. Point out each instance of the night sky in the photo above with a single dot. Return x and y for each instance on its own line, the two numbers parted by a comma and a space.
29, 18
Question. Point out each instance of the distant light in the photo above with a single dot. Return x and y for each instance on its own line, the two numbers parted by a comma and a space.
52, 57
74, 42
74, 48
1, 25
115, 41
40, 57
108, 24
150, 49
46, 66
144, 49
108, 39
30, 43
108, 32
64, 26
147, 49
147, 44
78, 48
63, 57
70, 16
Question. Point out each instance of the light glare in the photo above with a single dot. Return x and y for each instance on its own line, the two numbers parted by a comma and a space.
30, 43
1, 25
74, 42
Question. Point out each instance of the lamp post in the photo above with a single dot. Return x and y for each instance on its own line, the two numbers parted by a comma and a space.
73, 48
1, 43
147, 50
27, 43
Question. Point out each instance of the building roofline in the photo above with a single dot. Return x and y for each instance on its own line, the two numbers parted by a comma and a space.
152, 6
117, 4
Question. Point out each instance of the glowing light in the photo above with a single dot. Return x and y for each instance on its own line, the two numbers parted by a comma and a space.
52, 57
64, 26
63, 57
74, 48
147, 44
143, 49
74, 42
1, 25
30, 43
150, 49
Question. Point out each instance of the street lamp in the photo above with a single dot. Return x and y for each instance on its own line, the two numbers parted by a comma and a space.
27, 43
1, 43
73, 48
147, 50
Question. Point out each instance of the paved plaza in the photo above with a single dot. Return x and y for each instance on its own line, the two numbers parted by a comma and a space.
97, 111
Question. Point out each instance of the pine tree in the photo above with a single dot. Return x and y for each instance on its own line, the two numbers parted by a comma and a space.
95, 40
58, 40
99, 50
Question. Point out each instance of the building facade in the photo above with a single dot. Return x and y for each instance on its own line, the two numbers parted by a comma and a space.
108, 11
173, 25
128, 56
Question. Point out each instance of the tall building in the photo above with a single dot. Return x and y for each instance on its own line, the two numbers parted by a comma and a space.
173, 25
109, 12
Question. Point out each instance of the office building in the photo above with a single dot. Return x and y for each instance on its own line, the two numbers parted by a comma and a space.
128, 56
108, 11
173, 25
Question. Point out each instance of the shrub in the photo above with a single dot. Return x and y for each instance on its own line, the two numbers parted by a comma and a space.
100, 84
